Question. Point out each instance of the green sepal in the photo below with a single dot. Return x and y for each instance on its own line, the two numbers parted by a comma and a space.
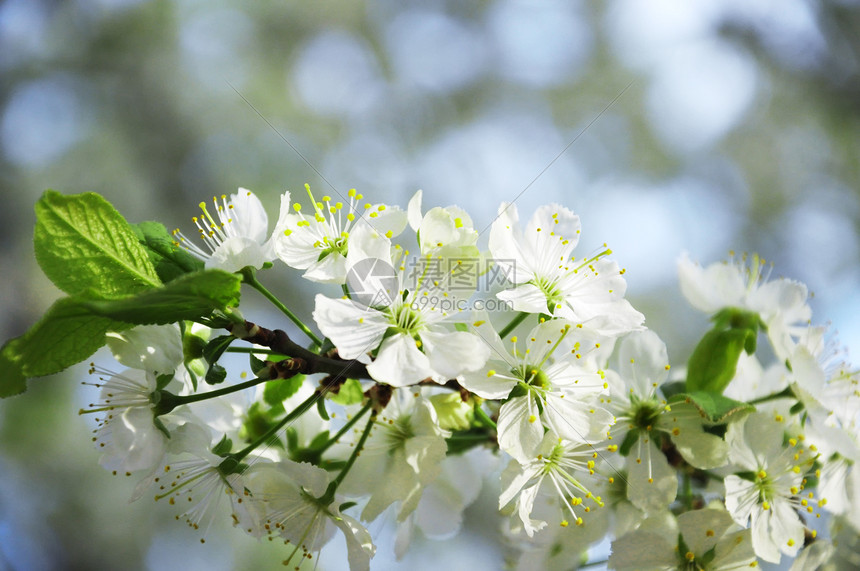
671, 389
215, 375
630, 439
256, 364
169, 260
346, 506
160, 426
258, 422
349, 393
191, 297
321, 409
682, 550
796, 408
715, 359
216, 347
452, 413
292, 438
461, 327
85, 246
319, 440
224, 446
714, 408
161, 381
709, 556
748, 476
192, 346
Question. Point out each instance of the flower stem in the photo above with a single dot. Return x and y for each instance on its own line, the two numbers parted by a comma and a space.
332, 488
355, 418
172, 401
249, 276
296, 412
251, 350
484, 417
513, 324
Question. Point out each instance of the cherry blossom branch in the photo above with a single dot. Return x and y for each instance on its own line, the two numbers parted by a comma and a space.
302, 360
249, 276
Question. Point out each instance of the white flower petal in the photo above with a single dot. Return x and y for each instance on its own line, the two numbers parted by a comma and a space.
399, 362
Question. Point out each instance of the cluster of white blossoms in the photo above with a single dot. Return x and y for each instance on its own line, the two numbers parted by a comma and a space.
414, 393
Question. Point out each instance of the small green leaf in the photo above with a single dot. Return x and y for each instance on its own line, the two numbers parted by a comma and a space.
350, 393
714, 361
85, 246
277, 391
67, 334
715, 408
12, 380
170, 261
191, 297
216, 374
216, 347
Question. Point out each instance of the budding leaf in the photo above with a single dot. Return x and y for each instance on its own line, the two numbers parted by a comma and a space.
67, 334
216, 347
170, 261
86, 247
190, 297
714, 408
216, 374
715, 359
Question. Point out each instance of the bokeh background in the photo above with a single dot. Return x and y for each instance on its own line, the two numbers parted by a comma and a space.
702, 126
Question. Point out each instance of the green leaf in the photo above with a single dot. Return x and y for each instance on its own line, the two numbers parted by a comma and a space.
715, 359
67, 334
277, 391
216, 374
12, 380
350, 393
216, 347
190, 297
170, 260
671, 389
715, 408
85, 246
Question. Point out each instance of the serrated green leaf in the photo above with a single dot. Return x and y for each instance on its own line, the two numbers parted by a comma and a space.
12, 380
190, 297
714, 361
169, 260
277, 391
715, 408
86, 247
67, 334
350, 393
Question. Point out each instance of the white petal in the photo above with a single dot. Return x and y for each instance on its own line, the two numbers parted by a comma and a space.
249, 216
452, 353
237, 252
710, 289
153, 348
519, 428
354, 330
330, 270
399, 362
414, 210
526, 297
651, 483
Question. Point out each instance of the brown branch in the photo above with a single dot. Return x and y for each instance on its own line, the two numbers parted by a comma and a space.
303, 360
